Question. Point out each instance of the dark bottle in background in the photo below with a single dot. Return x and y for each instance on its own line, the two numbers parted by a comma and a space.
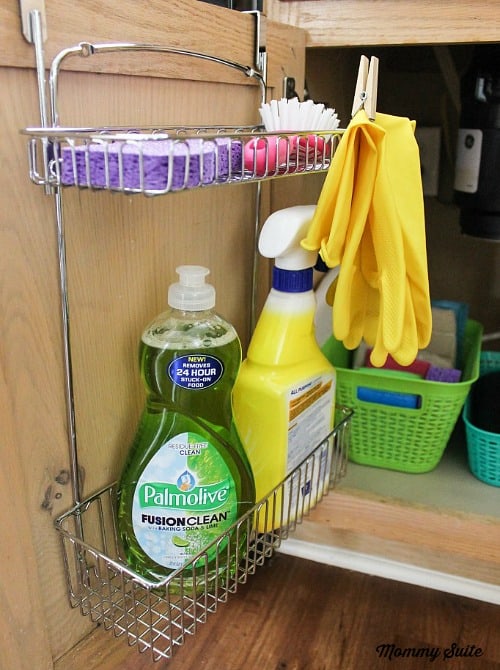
477, 166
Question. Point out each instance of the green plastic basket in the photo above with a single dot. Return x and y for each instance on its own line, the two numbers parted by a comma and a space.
483, 447
401, 438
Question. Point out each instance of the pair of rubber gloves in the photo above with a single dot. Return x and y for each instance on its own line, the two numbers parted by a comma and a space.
370, 221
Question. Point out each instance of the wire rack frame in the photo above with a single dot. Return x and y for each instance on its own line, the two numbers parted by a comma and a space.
123, 160
83, 148
158, 616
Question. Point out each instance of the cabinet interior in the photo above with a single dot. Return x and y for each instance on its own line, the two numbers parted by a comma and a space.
421, 82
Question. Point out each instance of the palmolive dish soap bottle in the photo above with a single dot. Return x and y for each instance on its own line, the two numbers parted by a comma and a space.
187, 478
284, 396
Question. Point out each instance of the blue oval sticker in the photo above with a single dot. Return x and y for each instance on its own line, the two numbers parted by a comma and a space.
195, 371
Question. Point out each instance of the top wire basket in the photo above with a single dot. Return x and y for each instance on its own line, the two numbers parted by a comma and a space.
155, 161
157, 617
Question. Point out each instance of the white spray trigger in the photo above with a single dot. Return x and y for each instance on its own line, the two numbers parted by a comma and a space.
281, 235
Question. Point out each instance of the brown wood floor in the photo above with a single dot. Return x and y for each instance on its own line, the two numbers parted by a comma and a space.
298, 615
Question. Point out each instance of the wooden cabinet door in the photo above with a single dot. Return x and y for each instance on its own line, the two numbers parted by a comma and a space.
121, 254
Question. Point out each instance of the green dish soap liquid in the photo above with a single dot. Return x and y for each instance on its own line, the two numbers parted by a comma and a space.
186, 479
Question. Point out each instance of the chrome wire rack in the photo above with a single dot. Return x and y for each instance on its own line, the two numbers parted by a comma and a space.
158, 616
155, 161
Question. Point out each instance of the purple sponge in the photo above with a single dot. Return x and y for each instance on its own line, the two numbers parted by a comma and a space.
152, 165
229, 158
436, 374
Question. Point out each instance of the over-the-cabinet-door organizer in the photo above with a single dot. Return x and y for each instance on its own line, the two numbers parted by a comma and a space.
157, 616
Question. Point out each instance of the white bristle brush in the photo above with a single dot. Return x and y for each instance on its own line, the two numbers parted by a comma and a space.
292, 115
265, 156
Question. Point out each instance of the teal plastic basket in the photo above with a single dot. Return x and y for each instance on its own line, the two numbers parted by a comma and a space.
408, 439
483, 447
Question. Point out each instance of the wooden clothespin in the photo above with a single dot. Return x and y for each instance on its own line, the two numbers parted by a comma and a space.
365, 96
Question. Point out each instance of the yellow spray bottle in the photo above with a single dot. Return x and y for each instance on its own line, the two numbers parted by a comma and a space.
284, 395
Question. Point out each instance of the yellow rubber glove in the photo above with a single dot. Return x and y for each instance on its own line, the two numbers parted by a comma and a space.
370, 220
399, 183
358, 265
337, 227
389, 275
329, 227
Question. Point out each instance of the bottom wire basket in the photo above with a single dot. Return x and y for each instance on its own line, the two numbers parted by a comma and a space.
158, 616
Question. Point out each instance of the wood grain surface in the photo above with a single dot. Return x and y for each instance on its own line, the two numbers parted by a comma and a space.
364, 22
299, 615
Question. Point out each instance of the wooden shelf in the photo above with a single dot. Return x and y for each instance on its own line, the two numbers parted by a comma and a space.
365, 22
451, 486
440, 529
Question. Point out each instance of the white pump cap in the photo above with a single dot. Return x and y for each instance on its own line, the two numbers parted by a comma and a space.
281, 235
191, 294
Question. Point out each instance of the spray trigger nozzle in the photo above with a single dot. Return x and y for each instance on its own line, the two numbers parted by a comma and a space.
282, 234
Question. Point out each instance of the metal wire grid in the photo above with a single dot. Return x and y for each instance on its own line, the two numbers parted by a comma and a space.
156, 161
159, 616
